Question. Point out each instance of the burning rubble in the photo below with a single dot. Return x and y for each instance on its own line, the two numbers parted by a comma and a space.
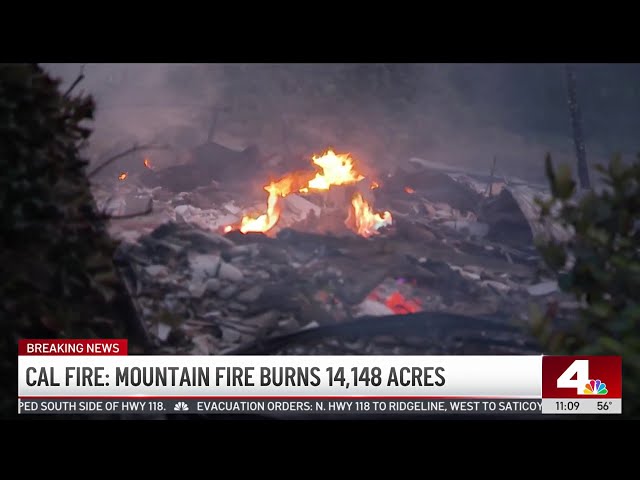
335, 171
365, 221
147, 164
208, 277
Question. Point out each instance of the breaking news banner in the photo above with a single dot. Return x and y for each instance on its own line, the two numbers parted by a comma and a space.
98, 376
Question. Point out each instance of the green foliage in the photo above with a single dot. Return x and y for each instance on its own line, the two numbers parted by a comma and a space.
58, 278
600, 265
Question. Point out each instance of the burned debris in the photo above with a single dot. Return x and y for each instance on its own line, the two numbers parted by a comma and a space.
323, 259
205, 164
505, 220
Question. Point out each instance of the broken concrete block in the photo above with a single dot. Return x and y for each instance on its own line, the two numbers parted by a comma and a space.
230, 273
204, 265
250, 295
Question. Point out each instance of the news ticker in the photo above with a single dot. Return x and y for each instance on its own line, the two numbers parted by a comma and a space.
98, 376
282, 406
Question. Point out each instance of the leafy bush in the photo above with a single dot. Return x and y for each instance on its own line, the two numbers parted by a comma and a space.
600, 265
58, 277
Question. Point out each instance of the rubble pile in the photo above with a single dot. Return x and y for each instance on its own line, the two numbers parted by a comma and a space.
455, 272
202, 292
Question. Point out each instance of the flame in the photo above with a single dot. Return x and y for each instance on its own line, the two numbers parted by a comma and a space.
335, 169
147, 163
266, 221
374, 185
367, 223
409, 190
122, 175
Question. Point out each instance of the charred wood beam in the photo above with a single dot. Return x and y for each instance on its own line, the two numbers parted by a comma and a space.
416, 324
120, 155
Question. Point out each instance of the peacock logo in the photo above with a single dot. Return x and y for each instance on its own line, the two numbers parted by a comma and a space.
595, 387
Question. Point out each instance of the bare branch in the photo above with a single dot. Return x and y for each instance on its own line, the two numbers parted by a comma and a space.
75, 82
120, 155
142, 213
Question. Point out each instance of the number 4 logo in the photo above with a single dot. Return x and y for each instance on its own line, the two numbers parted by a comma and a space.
576, 376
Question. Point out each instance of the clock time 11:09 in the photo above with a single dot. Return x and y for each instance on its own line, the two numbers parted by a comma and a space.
567, 406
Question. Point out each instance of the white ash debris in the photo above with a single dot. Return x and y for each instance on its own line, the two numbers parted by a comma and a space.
203, 292
207, 219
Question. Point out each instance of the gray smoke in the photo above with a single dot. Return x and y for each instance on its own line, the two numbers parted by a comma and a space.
460, 114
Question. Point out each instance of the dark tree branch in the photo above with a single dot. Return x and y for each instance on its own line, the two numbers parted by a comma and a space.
75, 82
120, 155
142, 213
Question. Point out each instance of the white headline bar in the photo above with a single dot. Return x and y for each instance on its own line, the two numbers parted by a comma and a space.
262, 376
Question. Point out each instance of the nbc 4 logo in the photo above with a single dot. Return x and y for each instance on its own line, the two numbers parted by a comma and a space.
577, 376
181, 407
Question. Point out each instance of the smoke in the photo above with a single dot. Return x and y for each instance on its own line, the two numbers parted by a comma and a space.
458, 114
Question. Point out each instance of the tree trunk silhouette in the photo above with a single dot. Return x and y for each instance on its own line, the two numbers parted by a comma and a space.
576, 124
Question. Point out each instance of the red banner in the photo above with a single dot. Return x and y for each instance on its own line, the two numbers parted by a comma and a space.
73, 347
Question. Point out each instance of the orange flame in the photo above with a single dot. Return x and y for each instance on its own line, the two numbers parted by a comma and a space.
122, 175
147, 163
367, 223
335, 169
374, 185
409, 190
266, 221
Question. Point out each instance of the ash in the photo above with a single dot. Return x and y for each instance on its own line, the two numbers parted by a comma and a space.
456, 272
